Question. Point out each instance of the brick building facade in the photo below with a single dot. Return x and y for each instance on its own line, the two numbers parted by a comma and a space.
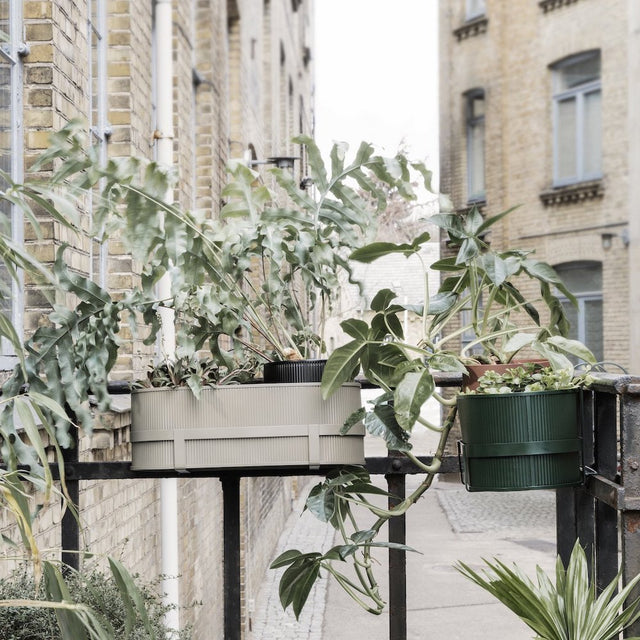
537, 111
242, 87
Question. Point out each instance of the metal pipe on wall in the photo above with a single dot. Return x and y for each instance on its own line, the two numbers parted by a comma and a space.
164, 155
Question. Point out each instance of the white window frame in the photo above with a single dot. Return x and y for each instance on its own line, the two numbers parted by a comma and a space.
100, 129
472, 123
475, 9
12, 52
577, 93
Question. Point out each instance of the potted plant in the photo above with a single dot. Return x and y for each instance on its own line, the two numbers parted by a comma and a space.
571, 608
484, 295
522, 429
245, 289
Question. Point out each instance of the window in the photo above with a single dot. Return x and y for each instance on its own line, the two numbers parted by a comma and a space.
475, 8
98, 125
584, 280
475, 145
11, 159
577, 119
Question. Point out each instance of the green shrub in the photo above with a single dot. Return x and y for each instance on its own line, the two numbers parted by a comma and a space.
93, 588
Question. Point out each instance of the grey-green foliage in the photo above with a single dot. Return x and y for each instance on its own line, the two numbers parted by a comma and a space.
259, 270
570, 609
103, 607
482, 294
529, 377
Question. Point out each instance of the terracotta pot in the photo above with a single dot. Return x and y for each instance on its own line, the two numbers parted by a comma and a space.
476, 371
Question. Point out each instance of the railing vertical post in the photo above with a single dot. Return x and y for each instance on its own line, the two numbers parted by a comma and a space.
69, 527
397, 560
231, 571
575, 508
606, 464
630, 470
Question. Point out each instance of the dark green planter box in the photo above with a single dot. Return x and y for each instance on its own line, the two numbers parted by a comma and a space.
517, 441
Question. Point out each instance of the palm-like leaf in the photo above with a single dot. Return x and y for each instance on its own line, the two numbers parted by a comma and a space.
568, 610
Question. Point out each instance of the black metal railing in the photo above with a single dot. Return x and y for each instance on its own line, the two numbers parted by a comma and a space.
592, 513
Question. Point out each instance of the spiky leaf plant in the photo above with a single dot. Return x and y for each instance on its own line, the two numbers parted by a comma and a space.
568, 610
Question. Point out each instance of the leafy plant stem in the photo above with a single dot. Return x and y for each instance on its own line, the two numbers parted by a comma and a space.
445, 402
425, 311
353, 589
403, 506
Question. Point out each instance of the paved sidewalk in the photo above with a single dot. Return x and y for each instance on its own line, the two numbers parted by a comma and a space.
304, 532
448, 524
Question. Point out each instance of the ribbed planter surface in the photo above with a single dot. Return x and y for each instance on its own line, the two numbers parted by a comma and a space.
521, 441
244, 426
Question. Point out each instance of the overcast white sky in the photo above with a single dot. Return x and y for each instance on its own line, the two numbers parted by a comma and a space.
377, 76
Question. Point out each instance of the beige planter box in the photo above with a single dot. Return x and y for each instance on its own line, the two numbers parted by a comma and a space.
240, 426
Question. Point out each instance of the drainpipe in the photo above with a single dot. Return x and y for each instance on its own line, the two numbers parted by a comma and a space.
634, 188
164, 156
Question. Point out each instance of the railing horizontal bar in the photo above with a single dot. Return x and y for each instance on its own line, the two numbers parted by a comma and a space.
618, 385
606, 491
442, 379
123, 471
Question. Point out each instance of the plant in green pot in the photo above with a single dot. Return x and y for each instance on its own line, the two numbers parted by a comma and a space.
521, 429
484, 295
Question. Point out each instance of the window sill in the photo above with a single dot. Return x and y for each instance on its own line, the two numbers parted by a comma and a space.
549, 5
573, 193
473, 27
480, 205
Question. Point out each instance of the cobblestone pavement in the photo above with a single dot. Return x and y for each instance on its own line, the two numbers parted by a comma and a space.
513, 511
270, 622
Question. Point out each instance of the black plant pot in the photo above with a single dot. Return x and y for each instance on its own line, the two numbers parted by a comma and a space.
291, 371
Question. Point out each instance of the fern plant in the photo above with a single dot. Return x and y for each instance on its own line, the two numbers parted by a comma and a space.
570, 609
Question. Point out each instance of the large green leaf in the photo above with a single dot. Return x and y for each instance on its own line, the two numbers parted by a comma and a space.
132, 598
341, 366
297, 581
321, 502
71, 626
518, 341
381, 422
489, 222
382, 300
356, 328
415, 388
572, 347
376, 250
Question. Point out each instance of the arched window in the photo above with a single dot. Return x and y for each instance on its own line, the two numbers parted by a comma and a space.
584, 280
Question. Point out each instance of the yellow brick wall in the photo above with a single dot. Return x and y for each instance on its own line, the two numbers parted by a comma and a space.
510, 61
121, 517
